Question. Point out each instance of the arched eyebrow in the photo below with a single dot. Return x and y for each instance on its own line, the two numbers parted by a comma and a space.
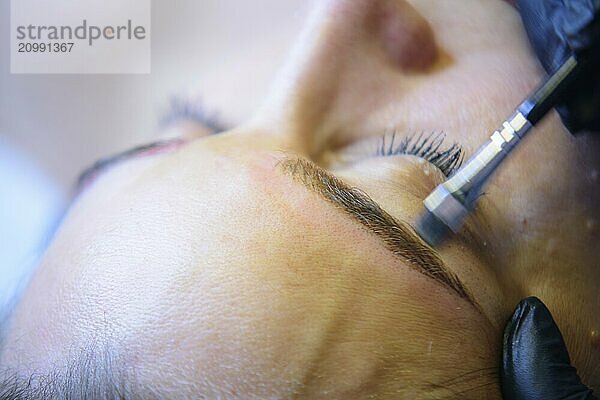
399, 237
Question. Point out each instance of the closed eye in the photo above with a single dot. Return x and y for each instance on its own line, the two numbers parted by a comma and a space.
429, 147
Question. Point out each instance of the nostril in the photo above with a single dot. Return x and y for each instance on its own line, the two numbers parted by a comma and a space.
406, 36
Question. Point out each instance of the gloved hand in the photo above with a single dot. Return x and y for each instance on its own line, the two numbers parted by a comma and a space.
558, 29
535, 361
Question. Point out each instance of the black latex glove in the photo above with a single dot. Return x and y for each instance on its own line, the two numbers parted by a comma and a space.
535, 361
558, 29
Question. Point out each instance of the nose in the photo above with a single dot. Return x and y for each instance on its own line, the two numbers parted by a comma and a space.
342, 67
404, 36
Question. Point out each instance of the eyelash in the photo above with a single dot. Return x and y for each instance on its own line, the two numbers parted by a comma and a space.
428, 147
185, 109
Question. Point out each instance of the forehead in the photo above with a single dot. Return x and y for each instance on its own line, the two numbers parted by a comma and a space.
238, 281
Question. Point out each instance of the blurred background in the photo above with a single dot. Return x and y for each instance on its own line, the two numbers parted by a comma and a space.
225, 52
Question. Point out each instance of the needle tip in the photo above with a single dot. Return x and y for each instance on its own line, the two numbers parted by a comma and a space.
432, 229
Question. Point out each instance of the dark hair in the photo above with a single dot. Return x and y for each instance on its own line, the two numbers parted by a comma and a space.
83, 378
92, 373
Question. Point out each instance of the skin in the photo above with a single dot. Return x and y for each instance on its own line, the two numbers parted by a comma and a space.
210, 271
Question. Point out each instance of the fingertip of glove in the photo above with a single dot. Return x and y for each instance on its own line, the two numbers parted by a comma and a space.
535, 360
532, 327
528, 308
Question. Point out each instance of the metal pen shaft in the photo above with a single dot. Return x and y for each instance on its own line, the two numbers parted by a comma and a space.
451, 201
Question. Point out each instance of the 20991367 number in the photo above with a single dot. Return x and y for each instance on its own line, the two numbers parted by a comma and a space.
27, 47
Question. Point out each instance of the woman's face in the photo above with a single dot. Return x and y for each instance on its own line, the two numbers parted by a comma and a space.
244, 265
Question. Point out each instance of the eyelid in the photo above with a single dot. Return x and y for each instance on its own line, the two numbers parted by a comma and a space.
428, 147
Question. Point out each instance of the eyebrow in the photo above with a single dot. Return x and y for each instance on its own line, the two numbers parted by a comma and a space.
399, 237
158, 147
